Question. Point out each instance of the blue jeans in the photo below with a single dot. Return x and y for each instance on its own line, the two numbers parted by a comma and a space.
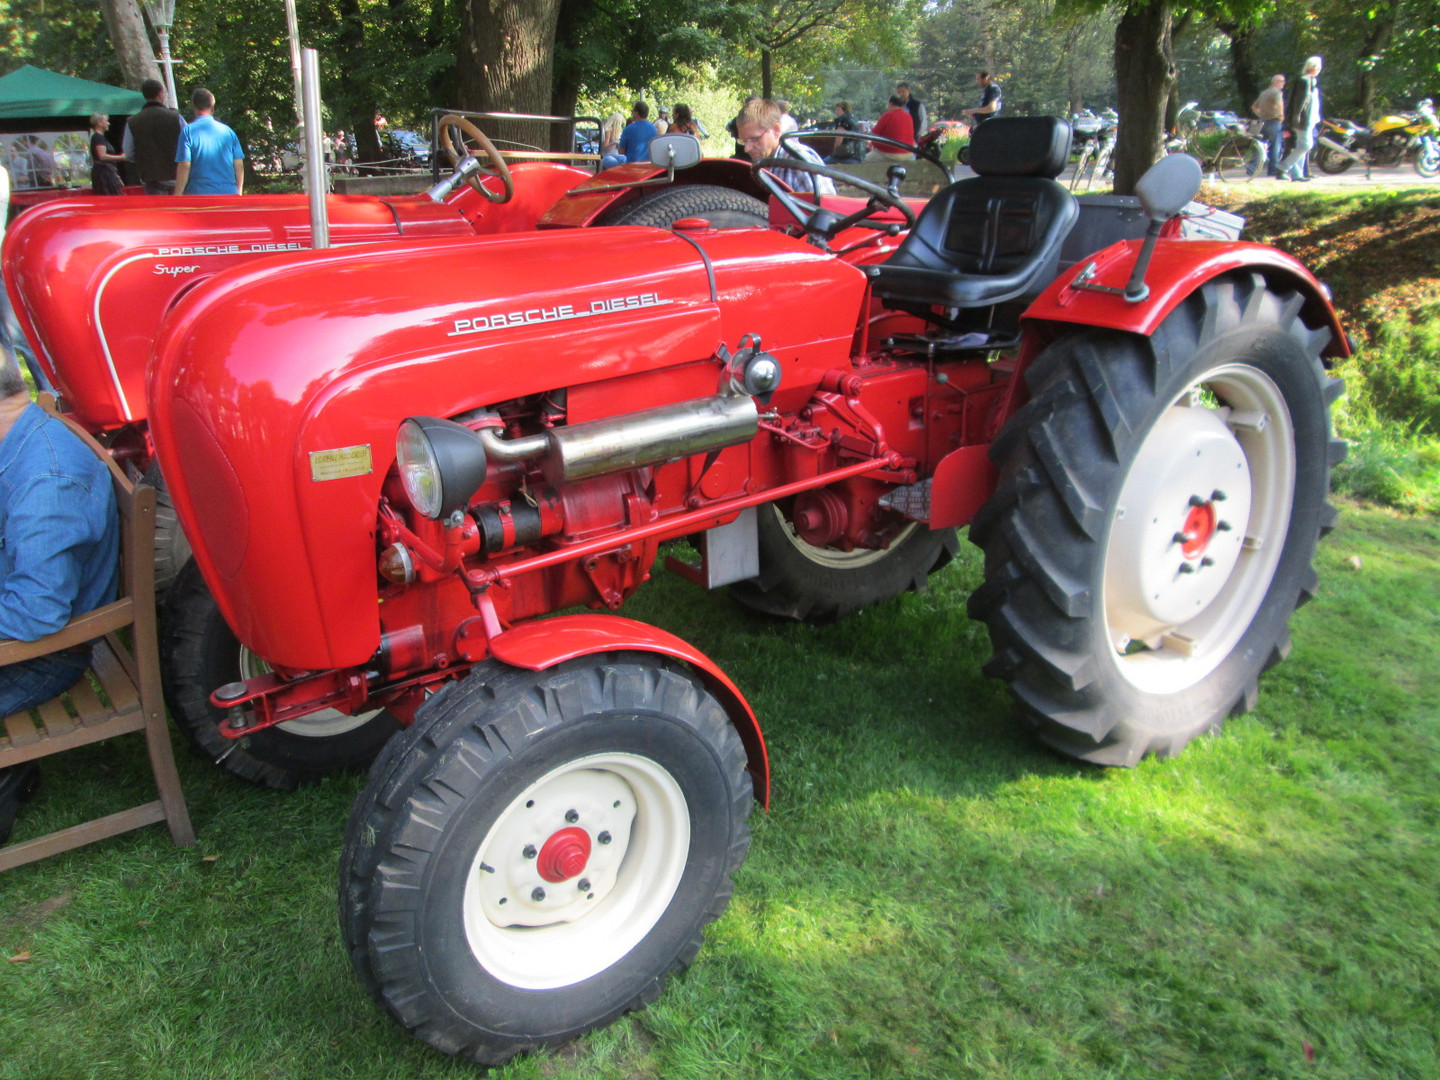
34, 682
1293, 163
1272, 133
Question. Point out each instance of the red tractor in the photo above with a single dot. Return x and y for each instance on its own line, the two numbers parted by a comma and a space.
92, 278
395, 461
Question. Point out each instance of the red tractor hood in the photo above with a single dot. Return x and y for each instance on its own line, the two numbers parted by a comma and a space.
276, 389
91, 278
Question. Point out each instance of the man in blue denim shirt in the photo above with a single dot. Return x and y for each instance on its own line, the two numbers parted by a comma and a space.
59, 553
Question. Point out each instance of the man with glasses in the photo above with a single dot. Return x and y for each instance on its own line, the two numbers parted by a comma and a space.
757, 128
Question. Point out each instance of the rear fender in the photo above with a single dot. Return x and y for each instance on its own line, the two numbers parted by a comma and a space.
582, 205
1178, 268
538, 646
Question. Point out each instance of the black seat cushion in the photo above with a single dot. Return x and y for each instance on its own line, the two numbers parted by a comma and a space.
994, 237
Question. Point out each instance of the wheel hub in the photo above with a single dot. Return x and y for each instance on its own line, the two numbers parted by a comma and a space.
564, 855
1180, 525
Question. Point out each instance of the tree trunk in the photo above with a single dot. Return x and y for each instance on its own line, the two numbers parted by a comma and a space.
1377, 39
133, 50
767, 82
506, 62
1248, 82
1144, 74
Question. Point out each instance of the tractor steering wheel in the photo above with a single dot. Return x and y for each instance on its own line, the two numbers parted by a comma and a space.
819, 222
497, 160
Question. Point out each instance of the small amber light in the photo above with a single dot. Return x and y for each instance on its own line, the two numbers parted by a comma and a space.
397, 565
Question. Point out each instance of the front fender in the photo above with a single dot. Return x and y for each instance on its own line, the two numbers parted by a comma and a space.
537, 646
583, 204
1178, 268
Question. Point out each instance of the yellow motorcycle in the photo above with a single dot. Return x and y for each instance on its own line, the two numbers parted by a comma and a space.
1406, 136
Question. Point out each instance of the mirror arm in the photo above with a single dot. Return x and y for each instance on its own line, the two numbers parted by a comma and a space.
1135, 289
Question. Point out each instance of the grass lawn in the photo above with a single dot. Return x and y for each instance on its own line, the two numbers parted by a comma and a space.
932, 895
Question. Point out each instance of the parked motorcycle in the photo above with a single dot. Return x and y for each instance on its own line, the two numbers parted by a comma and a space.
1413, 137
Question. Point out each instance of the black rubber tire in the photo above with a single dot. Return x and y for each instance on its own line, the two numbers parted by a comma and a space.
199, 653
1240, 160
172, 547
1427, 158
1331, 161
796, 582
1047, 531
476, 752
724, 208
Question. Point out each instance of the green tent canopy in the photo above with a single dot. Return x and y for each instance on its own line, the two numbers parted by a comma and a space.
32, 93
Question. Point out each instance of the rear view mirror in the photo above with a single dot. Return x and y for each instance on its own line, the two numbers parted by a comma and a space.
674, 151
1168, 186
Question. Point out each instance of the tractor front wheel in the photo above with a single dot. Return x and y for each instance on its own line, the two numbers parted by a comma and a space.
798, 580
723, 207
200, 653
1153, 528
540, 851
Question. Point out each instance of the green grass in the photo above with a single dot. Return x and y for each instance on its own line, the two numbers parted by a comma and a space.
931, 895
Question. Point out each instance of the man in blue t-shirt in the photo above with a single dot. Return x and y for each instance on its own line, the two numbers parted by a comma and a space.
635, 139
208, 158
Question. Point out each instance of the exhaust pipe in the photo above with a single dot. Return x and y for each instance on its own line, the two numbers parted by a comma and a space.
634, 439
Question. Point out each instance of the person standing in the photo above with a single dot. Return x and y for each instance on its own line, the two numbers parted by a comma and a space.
150, 140
894, 123
916, 108
59, 554
208, 157
848, 149
104, 177
1269, 107
788, 123
758, 130
685, 123
990, 100
1302, 118
635, 139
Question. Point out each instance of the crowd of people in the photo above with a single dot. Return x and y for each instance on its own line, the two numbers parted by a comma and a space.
171, 156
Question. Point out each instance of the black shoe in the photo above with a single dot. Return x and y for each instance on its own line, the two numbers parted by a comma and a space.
17, 787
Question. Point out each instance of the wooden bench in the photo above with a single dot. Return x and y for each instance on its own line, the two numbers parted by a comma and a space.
128, 676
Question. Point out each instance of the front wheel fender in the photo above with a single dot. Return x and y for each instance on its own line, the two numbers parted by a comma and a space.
537, 646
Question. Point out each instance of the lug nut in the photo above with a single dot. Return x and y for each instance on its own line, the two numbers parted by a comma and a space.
1207, 561
1223, 526
1181, 538
604, 838
1217, 496
529, 851
583, 884
571, 816
1186, 568
1196, 500
537, 894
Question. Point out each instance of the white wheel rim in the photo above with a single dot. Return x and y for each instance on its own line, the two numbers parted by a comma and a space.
324, 724
835, 558
1185, 572
536, 933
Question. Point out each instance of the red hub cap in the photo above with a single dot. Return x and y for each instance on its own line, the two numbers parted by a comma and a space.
1199, 530
564, 855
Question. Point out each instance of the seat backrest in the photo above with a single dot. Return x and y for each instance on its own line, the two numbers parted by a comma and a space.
1005, 224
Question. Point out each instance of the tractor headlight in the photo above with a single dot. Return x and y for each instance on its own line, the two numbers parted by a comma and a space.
442, 464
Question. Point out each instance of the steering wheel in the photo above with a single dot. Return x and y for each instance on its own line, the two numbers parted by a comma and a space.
497, 160
815, 219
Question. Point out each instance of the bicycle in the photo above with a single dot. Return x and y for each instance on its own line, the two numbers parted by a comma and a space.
1237, 156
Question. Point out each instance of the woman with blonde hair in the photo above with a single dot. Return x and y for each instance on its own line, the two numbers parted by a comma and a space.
104, 177
610, 133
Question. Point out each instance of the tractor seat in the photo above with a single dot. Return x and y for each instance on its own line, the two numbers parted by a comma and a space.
992, 237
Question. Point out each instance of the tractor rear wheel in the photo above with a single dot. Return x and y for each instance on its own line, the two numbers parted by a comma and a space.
723, 207
1154, 523
820, 584
540, 850
200, 653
